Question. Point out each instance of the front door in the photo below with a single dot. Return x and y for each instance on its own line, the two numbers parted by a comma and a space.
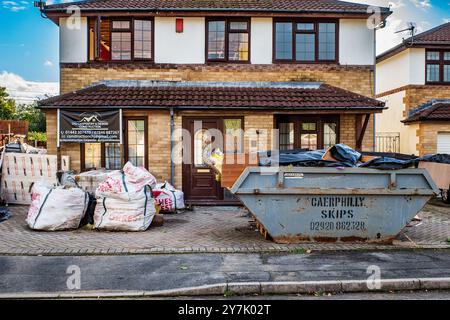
199, 179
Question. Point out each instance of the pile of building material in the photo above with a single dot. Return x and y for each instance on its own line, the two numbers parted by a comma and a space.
118, 200
125, 201
56, 208
21, 170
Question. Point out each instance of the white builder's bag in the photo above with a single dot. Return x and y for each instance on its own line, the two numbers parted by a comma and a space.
115, 214
125, 185
56, 208
169, 198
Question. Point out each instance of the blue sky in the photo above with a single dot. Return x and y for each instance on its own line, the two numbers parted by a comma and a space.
29, 43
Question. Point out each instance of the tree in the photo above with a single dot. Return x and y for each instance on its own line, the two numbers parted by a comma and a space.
34, 116
7, 105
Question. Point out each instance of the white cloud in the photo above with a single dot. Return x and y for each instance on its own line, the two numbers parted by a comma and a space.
396, 4
423, 4
24, 91
49, 2
14, 5
18, 8
48, 63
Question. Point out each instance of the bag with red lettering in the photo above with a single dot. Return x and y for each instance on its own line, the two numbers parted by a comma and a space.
169, 198
125, 201
125, 184
114, 214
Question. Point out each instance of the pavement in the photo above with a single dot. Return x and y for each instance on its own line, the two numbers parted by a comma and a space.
221, 274
203, 230
227, 256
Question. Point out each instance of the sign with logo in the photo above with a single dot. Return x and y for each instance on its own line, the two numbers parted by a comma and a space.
89, 126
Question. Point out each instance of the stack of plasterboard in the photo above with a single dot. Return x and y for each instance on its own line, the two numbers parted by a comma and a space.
21, 170
90, 180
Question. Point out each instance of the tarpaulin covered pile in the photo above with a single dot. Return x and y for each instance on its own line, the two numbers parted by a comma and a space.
341, 155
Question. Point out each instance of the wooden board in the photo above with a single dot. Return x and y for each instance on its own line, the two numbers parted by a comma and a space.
233, 166
439, 172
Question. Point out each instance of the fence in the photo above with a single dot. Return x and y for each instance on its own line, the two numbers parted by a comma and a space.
388, 142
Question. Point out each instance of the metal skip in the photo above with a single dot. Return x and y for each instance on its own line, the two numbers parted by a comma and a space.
333, 204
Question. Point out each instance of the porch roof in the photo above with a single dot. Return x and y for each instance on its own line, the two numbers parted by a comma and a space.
433, 110
214, 95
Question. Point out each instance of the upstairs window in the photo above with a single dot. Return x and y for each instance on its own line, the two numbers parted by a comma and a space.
228, 40
120, 39
305, 41
437, 67
142, 39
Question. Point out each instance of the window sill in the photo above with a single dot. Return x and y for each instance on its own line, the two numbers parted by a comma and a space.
437, 83
304, 62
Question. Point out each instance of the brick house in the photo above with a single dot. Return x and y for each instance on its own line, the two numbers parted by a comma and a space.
413, 79
305, 68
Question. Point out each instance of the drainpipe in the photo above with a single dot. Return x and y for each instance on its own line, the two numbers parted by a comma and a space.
172, 164
375, 87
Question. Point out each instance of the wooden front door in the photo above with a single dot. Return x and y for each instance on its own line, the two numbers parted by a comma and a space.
199, 179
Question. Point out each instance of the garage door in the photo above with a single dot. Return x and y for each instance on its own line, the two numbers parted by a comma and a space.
443, 144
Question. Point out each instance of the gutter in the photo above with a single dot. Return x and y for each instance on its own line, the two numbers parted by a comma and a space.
352, 108
156, 10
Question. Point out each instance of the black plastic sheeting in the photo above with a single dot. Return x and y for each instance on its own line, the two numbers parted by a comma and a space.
4, 214
347, 157
385, 163
89, 215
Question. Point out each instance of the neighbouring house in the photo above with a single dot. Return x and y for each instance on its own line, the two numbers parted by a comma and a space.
151, 68
413, 79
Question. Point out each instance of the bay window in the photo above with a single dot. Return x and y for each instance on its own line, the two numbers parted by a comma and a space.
305, 41
437, 66
228, 40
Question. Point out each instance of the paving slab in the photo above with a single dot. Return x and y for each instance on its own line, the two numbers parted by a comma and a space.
205, 229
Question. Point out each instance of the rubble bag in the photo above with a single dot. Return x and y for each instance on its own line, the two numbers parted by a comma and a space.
169, 198
123, 185
56, 208
136, 214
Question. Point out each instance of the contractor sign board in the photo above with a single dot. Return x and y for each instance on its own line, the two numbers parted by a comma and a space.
89, 126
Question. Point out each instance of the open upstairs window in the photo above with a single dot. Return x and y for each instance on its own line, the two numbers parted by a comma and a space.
120, 39
228, 40
305, 41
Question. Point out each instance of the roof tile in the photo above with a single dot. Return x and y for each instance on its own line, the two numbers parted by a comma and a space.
434, 110
217, 96
242, 5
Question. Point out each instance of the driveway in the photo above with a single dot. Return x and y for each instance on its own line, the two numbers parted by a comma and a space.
205, 229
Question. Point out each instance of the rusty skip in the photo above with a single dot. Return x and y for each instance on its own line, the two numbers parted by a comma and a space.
329, 204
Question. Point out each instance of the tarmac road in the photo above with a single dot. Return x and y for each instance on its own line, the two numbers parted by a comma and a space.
20, 274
